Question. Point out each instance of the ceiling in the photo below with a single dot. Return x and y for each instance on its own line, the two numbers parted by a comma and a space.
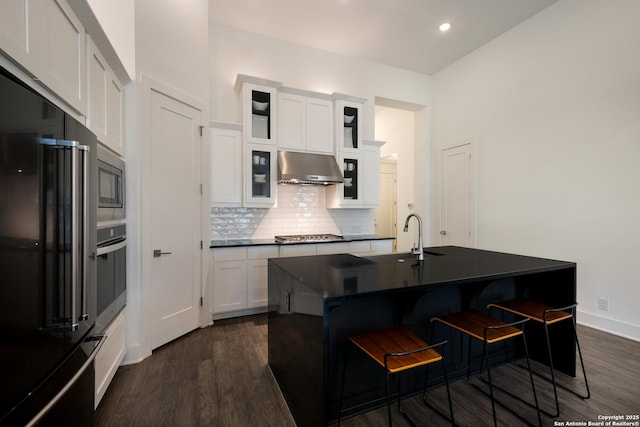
400, 33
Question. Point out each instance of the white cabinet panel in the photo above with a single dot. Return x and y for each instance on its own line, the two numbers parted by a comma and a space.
229, 286
97, 80
319, 125
62, 41
298, 250
333, 248
226, 166
305, 123
115, 113
110, 355
18, 27
381, 247
371, 173
257, 282
291, 121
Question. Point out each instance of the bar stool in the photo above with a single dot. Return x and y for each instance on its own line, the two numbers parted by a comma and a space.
480, 326
397, 350
547, 315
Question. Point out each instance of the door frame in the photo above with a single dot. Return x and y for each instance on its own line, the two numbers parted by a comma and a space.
147, 86
472, 186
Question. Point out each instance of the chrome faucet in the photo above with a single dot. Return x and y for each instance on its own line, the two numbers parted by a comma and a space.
419, 250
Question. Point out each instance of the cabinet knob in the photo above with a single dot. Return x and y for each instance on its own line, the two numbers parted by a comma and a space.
443, 233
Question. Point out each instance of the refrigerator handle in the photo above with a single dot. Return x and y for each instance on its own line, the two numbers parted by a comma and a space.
79, 225
84, 312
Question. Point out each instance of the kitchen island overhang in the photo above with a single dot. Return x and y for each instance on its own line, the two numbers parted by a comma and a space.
316, 301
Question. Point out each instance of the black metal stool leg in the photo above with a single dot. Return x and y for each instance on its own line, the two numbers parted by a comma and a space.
584, 371
533, 386
388, 399
344, 371
553, 375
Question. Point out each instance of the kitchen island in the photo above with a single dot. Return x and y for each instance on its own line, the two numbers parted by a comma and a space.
317, 301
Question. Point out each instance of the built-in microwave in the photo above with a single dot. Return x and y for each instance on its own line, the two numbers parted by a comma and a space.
111, 183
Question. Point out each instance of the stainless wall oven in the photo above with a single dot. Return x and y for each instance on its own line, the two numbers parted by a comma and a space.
111, 267
111, 177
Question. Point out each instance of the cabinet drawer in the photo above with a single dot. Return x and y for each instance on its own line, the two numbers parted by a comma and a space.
333, 248
360, 247
298, 250
381, 246
262, 252
229, 254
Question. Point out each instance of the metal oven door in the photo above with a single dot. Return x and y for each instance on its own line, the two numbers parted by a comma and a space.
111, 269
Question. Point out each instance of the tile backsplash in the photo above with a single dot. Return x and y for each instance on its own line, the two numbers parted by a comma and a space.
300, 210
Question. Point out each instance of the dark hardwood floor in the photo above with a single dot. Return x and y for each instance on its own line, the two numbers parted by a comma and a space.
218, 376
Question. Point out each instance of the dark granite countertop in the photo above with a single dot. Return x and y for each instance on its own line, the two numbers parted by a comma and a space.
325, 274
263, 242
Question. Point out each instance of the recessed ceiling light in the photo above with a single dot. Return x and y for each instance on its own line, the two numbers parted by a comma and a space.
444, 27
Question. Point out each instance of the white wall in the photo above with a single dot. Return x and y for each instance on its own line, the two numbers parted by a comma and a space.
553, 107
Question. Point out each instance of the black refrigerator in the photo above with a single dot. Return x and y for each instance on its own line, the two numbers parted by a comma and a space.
47, 261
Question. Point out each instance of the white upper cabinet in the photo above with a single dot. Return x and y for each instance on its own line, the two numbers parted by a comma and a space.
17, 32
48, 40
348, 123
226, 165
371, 173
305, 121
260, 109
62, 46
97, 80
115, 114
105, 100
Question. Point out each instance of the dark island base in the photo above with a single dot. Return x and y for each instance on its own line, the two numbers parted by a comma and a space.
307, 331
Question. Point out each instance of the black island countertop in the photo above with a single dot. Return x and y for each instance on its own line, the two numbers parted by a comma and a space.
315, 302
441, 266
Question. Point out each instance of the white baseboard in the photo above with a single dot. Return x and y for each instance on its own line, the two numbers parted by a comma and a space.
612, 326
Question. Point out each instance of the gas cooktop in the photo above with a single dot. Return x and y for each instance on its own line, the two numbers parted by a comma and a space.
310, 238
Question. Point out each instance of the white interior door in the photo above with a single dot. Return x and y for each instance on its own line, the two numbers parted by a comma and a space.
456, 196
175, 198
386, 213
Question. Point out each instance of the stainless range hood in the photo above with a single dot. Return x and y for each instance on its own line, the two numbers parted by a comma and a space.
308, 168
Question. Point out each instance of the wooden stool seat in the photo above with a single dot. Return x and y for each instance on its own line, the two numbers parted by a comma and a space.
377, 344
397, 350
474, 323
532, 309
547, 315
483, 327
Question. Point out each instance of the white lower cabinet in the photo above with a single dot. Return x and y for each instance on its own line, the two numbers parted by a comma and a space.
229, 279
240, 279
258, 274
110, 355
241, 274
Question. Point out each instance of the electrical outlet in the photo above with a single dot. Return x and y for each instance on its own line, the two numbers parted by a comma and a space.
603, 304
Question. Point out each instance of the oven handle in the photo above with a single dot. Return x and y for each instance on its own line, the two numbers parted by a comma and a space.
111, 248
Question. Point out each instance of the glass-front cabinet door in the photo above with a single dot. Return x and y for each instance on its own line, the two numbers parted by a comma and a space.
260, 176
260, 106
348, 124
349, 193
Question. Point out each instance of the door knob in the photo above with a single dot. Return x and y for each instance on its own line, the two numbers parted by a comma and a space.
158, 252
443, 233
